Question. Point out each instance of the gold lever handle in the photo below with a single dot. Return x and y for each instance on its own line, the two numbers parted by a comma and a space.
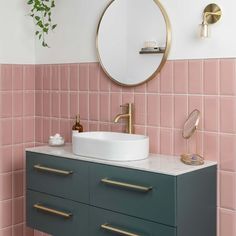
126, 185
52, 170
113, 229
40, 207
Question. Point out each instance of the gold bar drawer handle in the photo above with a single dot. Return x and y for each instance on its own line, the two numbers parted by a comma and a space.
52, 170
126, 185
48, 210
115, 230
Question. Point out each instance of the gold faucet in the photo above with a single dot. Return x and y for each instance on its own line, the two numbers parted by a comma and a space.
128, 115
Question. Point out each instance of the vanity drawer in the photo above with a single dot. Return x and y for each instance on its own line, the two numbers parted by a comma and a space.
141, 194
58, 176
56, 216
106, 223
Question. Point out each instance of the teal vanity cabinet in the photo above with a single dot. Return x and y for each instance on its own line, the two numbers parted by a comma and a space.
76, 196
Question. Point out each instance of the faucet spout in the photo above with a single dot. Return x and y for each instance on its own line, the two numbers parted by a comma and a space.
128, 115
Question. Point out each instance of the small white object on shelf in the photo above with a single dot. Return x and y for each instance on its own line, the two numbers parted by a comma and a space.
56, 140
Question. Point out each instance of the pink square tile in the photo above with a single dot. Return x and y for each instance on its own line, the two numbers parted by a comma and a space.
64, 76
17, 130
228, 114
140, 130
65, 130
47, 104
18, 178
39, 77
28, 130
93, 106
29, 103
83, 106
64, 104
38, 130
84, 77
18, 210
74, 77
74, 104
115, 87
140, 105
6, 231
167, 110
140, 88
46, 129
180, 144
228, 76
5, 215
166, 141
17, 77
211, 113
55, 75
211, 146
127, 98
6, 131
227, 152
167, 78
29, 77
28, 231
46, 77
6, 104
153, 85
181, 76
227, 223
5, 159
18, 157
228, 190
116, 99
105, 82
105, 127
6, 186
154, 139
195, 82
180, 110
55, 126
104, 107
94, 76
38, 103
196, 102
17, 104
93, 126
153, 110
6, 77
18, 230
120, 128
55, 104
127, 89
211, 76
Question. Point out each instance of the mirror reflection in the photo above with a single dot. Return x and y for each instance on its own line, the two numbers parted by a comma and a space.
133, 40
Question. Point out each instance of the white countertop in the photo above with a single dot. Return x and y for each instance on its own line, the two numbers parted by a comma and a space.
162, 164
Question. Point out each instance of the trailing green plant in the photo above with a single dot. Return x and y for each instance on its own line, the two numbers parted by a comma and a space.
41, 12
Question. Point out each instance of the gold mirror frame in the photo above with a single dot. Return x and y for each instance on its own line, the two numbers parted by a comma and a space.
164, 57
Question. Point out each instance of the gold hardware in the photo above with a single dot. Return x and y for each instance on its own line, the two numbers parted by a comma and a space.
165, 53
128, 115
40, 207
52, 170
126, 185
212, 13
118, 231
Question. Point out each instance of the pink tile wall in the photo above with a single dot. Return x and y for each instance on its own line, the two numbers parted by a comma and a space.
37, 101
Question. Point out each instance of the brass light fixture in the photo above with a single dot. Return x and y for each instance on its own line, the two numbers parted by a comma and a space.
211, 14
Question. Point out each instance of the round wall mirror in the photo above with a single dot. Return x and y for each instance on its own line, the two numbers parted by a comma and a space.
133, 40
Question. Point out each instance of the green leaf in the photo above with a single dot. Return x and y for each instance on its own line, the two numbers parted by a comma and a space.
37, 32
30, 2
54, 26
40, 36
37, 18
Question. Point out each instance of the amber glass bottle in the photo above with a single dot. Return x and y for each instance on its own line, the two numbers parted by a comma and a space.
77, 126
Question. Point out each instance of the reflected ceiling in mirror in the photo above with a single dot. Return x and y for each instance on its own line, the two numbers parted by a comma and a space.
133, 40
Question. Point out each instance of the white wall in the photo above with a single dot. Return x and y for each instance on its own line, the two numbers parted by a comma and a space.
17, 43
74, 39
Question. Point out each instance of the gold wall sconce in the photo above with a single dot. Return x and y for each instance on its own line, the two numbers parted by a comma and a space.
211, 14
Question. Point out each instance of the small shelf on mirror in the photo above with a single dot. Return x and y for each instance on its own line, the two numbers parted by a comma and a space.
156, 50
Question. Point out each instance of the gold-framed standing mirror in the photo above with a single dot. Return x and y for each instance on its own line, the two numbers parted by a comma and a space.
133, 40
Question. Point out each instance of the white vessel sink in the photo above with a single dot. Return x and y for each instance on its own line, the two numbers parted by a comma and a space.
110, 146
